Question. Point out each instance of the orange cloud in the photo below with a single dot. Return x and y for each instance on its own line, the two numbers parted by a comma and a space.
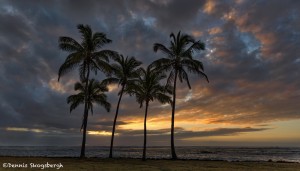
267, 39
215, 30
56, 86
62, 86
112, 87
196, 33
209, 6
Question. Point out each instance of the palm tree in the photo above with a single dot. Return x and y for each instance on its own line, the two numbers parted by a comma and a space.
124, 71
95, 94
87, 56
146, 89
179, 59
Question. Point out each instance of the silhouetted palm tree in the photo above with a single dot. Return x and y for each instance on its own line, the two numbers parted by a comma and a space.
124, 71
178, 61
95, 94
87, 57
147, 88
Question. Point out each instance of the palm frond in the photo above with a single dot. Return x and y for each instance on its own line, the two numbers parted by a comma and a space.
186, 77
172, 36
125, 69
99, 40
133, 63
168, 89
147, 87
162, 48
83, 69
198, 72
73, 60
104, 55
179, 74
100, 87
101, 100
110, 80
163, 98
83, 54
94, 67
193, 64
86, 34
95, 95
69, 44
79, 86
181, 59
196, 46
103, 66
90, 106
162, 65
170, 78
75, 100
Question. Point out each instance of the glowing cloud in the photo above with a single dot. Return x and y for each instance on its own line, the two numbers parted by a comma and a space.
23, 129
209, 6
100, 133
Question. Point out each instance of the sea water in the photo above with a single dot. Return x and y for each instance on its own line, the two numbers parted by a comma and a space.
284, 154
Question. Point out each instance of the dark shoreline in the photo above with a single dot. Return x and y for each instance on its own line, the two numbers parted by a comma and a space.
163, 159
136, 164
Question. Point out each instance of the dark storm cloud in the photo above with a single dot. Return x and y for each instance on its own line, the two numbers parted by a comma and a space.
181, 133
158, 137
253, 66
175, 14
261, 84
161, 136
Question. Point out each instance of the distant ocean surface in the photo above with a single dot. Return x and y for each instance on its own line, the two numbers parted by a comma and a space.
200, 153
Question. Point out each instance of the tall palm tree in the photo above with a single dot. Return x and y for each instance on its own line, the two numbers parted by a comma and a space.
147, 88
179, 60
124, 71
95, 94
87, 56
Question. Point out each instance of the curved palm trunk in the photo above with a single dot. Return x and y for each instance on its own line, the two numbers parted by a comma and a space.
174, 156
145, 131
85, 117
114, 126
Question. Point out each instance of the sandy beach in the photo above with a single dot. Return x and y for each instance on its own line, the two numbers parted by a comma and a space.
37, 163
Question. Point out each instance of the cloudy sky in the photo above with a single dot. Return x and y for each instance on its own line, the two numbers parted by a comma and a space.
252, 60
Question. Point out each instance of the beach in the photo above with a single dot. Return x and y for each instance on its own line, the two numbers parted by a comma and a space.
74, 164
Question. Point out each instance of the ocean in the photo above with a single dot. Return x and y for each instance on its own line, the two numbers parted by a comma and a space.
283, 154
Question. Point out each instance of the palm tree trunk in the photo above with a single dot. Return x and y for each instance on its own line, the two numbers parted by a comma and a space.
174, 156
115, 120
145, 132
85, 117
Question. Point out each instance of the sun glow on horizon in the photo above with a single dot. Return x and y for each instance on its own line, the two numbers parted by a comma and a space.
23, 129
100, 133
